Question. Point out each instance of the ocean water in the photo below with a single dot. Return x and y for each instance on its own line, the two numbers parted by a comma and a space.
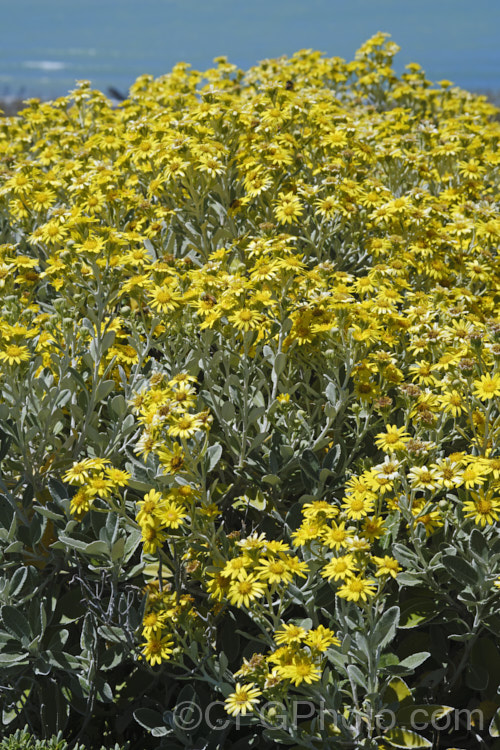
46, 45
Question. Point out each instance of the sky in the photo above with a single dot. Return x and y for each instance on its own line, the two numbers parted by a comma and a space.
48, 44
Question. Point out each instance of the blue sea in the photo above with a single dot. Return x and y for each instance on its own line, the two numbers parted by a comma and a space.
46, 45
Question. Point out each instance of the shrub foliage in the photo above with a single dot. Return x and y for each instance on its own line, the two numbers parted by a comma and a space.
23, 740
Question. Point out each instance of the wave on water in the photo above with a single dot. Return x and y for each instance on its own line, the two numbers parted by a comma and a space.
45, 65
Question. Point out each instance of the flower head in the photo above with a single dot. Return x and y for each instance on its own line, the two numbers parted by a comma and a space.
244, 699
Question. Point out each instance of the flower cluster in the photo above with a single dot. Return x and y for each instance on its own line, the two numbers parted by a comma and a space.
262, 568
297, 659
95, 478
167, 617
164, 411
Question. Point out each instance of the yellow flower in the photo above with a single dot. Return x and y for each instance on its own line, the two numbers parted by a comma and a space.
274, 571
422, 477
297, 567
245, 319
448, 472
358, 505
157, 648
357, 588
244, 590
431, 521
53, 233
491, 465
184, 426
484, 508
386, 566
79, 472
473, 474
20, 183
276, 547
164, 299
373, 528
42, 198
306, 532
488, 386
208, 163
184, 396
171, 515
148, 508
321, 638
118, 477
256, 182
253, 542
218, 586
321, 508
471, 169
288, 208
244, 699
92, 244
153, 622
339, 568
379, 481
80, 503
13, 354
173, 461
302, 669
175, 167
357, 544
335, 536
100, 486
289, 634
336, 138
283, 398
237, 568
393, 439
152, 537
327, 207
453, 402
422, 372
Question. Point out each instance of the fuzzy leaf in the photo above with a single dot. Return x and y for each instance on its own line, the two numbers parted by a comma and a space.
417, 715
356, 675
213, 456
15, 622
495, 725
460, 569
104, 388
416, 610
405, 738
397, 691
150, 720
415, 660
385, 629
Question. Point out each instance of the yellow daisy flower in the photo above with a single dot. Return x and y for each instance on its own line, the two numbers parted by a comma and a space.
488, 386
386, 566
13, 354
157, 648
243, 700
393, 439
484, 508
356, 588
243, 591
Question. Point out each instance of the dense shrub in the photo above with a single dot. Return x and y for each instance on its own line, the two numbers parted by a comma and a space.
24, 740
249, 414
